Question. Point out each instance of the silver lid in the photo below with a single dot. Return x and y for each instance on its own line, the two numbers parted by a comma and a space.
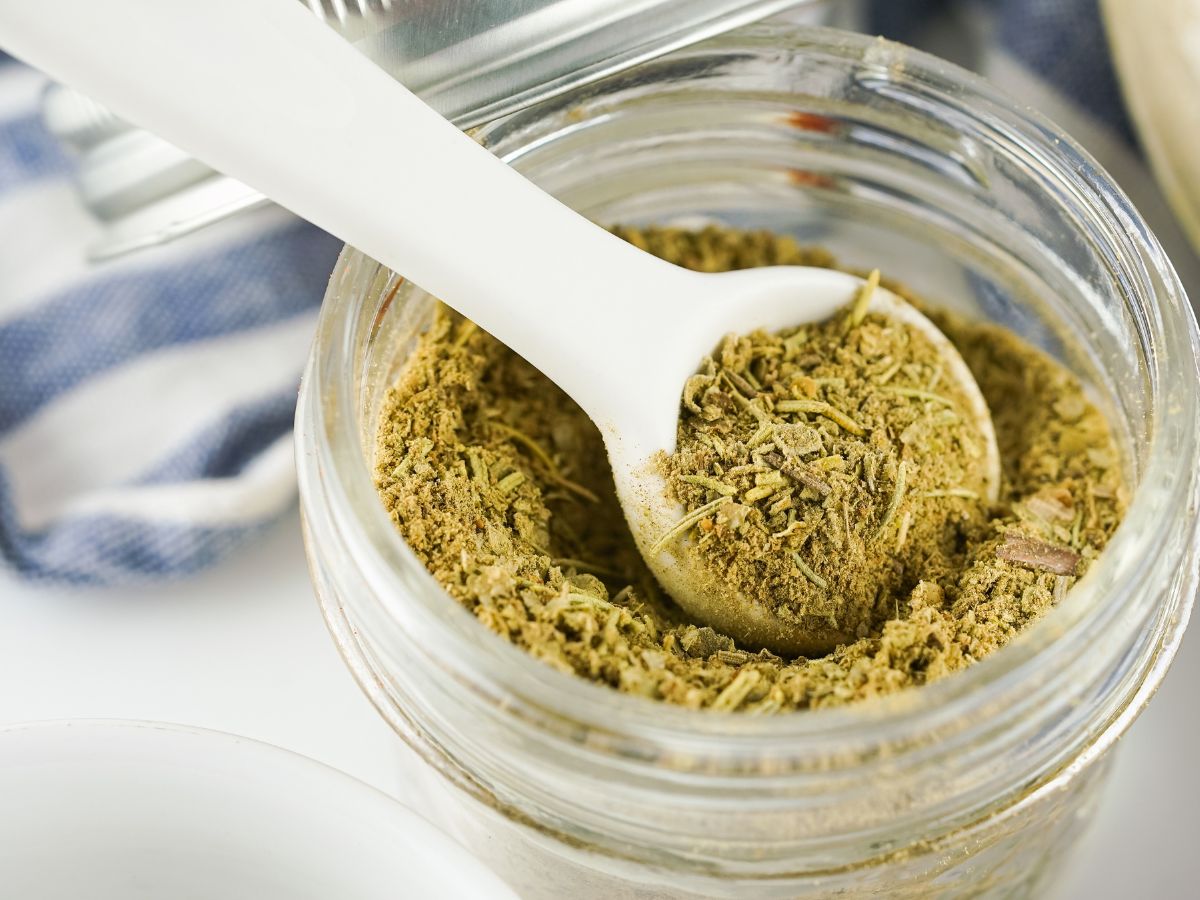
471, 61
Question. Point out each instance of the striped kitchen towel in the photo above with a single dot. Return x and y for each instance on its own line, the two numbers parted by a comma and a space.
1060, 42
146, 402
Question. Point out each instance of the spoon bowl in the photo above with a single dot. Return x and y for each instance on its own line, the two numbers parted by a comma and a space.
770, 299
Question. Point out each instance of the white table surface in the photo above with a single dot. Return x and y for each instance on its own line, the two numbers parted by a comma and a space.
243, 649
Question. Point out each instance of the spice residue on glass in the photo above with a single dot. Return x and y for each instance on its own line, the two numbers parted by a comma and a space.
854, 500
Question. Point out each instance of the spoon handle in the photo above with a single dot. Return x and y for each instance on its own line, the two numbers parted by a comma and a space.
262, 91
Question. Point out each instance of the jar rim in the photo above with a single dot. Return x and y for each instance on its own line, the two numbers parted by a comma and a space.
475, 656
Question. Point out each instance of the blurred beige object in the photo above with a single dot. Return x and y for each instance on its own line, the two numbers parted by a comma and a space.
1156, 46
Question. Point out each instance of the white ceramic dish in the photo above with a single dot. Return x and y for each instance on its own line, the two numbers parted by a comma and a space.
129, 810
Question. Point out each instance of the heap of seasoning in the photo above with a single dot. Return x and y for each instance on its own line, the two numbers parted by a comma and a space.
826, 472
501, 486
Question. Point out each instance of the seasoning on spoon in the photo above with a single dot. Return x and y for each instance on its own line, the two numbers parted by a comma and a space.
823, 471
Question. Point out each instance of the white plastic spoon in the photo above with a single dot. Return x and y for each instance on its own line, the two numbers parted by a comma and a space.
261, 91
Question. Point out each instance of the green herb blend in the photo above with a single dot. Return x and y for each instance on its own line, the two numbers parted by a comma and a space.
859, 509
836, 466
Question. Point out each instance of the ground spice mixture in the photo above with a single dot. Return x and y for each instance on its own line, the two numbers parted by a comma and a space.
501, 486
825, 471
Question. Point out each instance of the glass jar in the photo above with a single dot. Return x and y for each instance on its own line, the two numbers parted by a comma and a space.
975, 785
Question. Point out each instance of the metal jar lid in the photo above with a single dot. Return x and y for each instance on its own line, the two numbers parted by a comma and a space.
472, 61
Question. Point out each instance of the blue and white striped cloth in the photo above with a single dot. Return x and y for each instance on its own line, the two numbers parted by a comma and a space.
146, 402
